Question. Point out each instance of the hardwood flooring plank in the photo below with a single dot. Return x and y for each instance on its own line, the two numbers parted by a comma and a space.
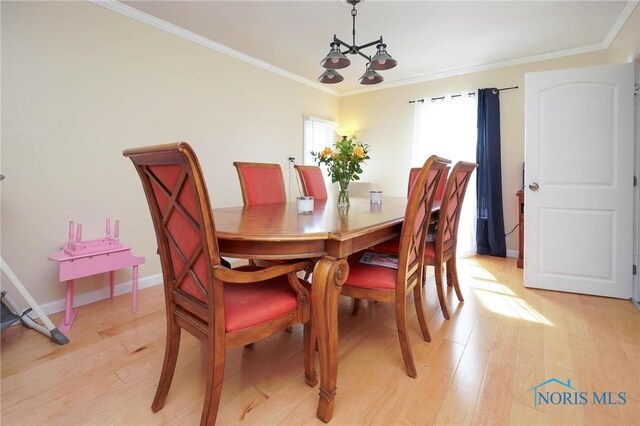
524, 415
479, 368
459, 403
494, 403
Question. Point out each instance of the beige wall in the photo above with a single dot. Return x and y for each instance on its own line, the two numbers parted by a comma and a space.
384, 118
80, 84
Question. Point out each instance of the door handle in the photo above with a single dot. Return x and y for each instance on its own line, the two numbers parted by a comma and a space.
534, 186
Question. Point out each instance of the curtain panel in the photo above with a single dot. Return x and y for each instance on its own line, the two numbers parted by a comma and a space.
490, 238
447, 128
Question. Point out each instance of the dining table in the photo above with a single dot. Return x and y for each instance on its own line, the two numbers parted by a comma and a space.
327, 235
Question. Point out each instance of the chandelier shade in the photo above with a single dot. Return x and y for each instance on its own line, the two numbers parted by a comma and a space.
330, 77
336, 58
370, 76
382, 60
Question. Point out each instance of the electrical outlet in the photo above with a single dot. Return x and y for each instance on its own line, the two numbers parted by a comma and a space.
292, 159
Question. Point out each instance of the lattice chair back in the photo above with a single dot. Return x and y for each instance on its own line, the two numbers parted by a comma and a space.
451, 206
180, 208
222, 307
416, 221
413, 174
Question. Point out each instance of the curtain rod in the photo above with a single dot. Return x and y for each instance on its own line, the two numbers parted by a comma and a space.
439, 98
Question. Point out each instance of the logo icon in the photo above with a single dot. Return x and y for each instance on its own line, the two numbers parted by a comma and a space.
540, 397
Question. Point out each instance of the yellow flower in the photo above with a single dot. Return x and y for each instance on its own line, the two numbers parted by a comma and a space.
326, 153
358, 152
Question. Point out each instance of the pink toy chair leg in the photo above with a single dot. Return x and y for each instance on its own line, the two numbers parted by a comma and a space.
111, 283
69, 313
134, 290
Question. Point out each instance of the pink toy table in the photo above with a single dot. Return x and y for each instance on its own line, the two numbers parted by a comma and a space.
74, 266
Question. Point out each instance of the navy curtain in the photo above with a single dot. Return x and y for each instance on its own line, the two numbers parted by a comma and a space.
490, 237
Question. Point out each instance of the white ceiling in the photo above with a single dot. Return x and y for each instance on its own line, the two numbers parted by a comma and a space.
429, 39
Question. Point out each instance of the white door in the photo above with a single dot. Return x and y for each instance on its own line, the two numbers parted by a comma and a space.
579, 159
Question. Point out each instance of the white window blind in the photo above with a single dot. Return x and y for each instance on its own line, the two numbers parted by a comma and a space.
318, 134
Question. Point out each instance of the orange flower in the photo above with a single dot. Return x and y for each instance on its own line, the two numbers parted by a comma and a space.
326, 153
358, 152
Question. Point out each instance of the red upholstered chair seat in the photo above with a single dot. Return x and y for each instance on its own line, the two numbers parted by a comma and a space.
392, 247
389, 246
370, 276
429, 253
248, 305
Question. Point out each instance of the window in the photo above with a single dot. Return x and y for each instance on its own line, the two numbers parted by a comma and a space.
318, 134
448, 128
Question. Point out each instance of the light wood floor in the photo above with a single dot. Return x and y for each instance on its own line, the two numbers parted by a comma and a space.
479, 368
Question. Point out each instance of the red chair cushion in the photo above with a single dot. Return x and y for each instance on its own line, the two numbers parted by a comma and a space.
248, 305
389, 246
393, 246
429, 253
369, 276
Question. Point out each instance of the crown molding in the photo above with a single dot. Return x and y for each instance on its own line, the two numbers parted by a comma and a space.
481, 67
145, 18
617, 26
136, 14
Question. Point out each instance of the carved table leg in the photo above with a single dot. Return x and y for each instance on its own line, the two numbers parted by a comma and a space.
328, 276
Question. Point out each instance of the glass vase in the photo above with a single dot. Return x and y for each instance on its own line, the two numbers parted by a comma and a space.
343, 194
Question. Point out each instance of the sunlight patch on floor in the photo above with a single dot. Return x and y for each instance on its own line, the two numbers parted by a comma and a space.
500, 299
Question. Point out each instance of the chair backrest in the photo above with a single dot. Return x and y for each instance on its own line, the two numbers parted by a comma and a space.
451, 206
416, 221
261, 183
312, 182
413, 174
181, 212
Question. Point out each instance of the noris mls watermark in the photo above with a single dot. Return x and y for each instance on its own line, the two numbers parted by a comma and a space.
557, 392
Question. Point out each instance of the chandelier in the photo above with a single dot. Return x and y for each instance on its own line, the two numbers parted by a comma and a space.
336, 59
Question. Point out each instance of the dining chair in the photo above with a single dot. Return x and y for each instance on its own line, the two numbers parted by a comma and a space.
413, 173
222, 307
261, 183
443, 250
392, 246
383, 284
312, 182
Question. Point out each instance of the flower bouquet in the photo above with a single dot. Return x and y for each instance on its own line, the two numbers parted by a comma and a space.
343, 163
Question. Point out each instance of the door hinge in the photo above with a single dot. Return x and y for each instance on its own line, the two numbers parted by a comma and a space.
635, 181
635, 270
636, 89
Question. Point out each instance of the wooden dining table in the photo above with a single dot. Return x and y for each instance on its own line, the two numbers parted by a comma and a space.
327, 235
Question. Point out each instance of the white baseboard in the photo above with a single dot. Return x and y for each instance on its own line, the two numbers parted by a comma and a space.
512, 253
94, 296
122, 288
